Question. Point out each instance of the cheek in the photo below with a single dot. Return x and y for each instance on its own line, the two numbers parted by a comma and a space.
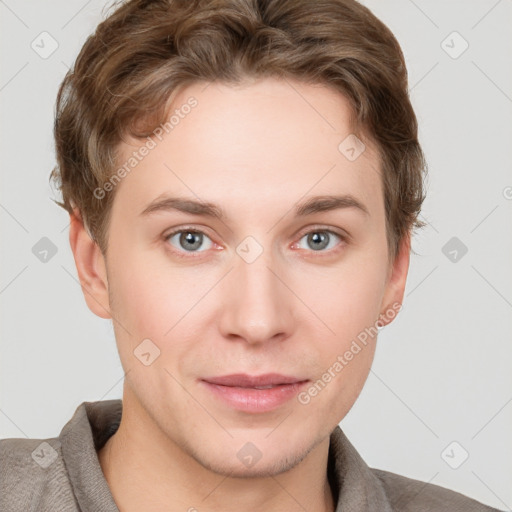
347, 300
136, 320
158, 301
344, 356
146, 290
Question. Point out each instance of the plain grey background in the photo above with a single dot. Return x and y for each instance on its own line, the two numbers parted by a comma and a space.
441, 385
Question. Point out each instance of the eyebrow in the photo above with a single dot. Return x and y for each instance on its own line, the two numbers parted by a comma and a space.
312, 205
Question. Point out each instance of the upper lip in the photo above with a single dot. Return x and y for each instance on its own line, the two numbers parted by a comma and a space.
247, 381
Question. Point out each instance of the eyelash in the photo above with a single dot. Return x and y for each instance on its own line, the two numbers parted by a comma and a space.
196, 254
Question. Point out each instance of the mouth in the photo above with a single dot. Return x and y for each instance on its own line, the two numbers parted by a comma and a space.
243, 380
254, 394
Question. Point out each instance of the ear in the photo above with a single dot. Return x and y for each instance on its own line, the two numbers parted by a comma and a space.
396, 280
90, 266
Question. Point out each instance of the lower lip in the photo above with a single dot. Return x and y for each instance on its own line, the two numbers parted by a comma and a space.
255, 400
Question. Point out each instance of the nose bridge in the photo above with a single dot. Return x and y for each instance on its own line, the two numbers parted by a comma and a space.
258, 307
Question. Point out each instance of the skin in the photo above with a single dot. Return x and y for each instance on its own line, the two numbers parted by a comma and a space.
255, 150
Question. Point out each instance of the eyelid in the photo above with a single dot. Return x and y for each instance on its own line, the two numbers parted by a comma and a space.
319, 227
180, 229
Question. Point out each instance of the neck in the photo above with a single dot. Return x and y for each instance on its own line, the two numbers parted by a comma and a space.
146, 470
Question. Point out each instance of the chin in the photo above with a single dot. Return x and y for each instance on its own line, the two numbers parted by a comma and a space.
250, 462
261, 469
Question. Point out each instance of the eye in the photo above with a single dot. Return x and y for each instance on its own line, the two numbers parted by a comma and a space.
188, 240
320, 239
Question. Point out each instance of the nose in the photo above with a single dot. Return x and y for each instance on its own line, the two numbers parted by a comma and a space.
258, 306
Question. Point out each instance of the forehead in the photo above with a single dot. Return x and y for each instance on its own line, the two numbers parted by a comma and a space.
266, 141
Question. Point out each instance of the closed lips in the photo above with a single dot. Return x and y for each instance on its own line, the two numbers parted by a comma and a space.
266, 381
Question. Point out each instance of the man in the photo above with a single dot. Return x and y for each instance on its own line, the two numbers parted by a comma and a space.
243, 179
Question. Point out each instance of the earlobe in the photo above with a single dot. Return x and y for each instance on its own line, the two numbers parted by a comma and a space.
90, 265
395, 287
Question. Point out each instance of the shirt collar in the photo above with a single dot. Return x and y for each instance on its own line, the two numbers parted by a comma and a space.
354, 485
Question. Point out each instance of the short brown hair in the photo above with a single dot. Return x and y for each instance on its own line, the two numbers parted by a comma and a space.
139, 56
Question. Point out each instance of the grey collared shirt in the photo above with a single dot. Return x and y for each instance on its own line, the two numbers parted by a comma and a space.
64, 474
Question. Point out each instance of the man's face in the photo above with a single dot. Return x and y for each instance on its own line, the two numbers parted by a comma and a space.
262, 290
